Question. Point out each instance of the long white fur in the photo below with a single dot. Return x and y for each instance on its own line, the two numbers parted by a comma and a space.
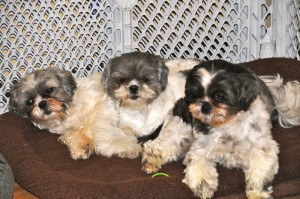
287, 99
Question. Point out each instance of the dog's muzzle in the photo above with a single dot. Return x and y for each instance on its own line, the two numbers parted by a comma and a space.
43, 105
134, 90
206, 108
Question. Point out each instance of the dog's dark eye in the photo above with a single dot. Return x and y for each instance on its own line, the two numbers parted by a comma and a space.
121, 80
49, 90
219, 97
194, 93
146, 80
29, 102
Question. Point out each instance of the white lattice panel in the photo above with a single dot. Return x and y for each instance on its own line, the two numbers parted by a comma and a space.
200, 29
82, 35
287, 28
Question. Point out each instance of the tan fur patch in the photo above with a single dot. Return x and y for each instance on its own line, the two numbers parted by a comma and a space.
146, 95
218, 116
80, 145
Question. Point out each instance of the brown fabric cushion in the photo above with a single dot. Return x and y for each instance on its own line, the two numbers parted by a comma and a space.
44, 166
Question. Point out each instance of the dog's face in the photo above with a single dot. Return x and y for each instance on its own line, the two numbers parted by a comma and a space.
43, 96
217, 90
135, 79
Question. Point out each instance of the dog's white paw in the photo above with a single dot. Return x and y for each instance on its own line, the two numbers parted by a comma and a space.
200, 188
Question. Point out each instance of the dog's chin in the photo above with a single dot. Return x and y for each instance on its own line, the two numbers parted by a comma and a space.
42, 117
134, 101
133, 97
216, 118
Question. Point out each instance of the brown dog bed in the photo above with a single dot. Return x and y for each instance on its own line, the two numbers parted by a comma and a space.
44, 167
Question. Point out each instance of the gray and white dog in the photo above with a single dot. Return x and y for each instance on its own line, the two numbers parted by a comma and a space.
140, 93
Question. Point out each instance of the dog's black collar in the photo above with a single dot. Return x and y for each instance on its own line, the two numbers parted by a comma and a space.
152, 136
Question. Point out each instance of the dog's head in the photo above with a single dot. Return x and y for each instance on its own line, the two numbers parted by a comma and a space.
43, 96
217, 90
135, 79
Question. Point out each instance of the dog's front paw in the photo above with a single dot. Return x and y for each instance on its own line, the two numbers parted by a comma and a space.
132, 152
150, 168
83, 151
253, 194
80, 146
201, 179
152, 160
200, 187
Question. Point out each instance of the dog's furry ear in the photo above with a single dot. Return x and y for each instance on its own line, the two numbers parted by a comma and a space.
67, 79
163, 71
248, 91
105, 75
13, 104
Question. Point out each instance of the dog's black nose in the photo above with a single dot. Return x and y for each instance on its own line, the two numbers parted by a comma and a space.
43, 105
134, 89
206, 108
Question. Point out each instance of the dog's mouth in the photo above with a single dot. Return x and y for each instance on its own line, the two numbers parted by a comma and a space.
133, 97
47, 112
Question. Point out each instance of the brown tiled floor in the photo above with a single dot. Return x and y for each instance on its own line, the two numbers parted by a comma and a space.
20, 193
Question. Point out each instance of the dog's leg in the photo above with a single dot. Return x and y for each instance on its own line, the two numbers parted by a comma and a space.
171, 144
111, 140
263, 165
200, 174
80, 145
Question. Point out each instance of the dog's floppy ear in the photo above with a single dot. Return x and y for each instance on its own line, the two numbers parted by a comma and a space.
13, 104
248, 91
67, 79
163, 71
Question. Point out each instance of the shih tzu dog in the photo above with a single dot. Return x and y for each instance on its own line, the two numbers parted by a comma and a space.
140, 91
54, 100
227, 111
